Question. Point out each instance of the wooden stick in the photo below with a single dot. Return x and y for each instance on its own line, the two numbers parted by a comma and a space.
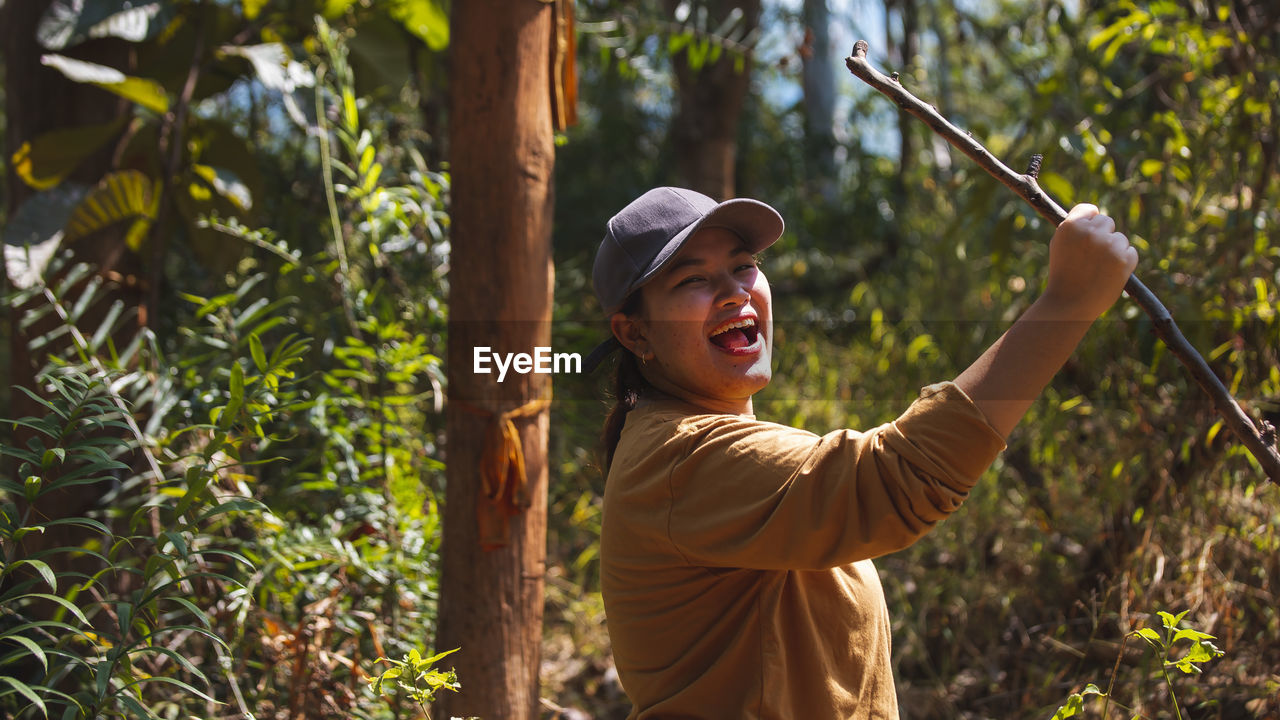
1259, 439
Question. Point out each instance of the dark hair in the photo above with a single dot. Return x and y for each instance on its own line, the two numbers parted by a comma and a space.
628, 386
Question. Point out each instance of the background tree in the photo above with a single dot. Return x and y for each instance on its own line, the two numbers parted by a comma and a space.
712, 79
502, 158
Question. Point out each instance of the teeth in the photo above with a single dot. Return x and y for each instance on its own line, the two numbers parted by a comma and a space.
743, 323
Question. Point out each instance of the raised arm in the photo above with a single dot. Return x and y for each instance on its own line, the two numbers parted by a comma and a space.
1089, 263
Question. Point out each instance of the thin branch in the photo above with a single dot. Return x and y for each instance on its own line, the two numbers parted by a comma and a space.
1258, 439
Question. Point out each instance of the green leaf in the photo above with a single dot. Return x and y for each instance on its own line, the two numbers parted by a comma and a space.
46, 160
35, 232
237, 393
26, 691
1149, 634
259, 355
335, 8
425, 19
70, 607
69, 22
235, 505
350, 114
251, 8
276, 70
120, 196
225, 183
186, 687
46, 573
1193, 635
1057, 186
1071, 708
147, 93
197, 481
1171, 621
434, 658
135, 708
193, 609
32, 647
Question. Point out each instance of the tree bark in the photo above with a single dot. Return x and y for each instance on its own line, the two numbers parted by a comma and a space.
819, 83
40, 99
704, 131
908, 49
502, 157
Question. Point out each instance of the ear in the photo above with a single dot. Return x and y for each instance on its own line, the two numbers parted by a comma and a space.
631, 332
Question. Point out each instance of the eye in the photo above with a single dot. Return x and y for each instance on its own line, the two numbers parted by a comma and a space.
689, 280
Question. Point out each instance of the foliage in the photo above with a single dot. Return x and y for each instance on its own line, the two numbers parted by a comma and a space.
294, 369
1200, 650
313, 430
414, 677
1120, 485
133, 590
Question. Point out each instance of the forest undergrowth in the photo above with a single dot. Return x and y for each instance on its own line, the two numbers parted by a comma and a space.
239, 512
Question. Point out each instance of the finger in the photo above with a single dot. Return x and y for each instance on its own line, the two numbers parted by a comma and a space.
1126, 251
1105, 222
1082, 211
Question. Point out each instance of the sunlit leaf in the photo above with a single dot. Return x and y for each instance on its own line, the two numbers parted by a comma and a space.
147, 93
69, 22
122, 196
31, 647
35, 232
26, 691
1150, 166
1058, 187
275, 68
335, 8
225, 183
425, 19
251, 8
1149, 634
46, 161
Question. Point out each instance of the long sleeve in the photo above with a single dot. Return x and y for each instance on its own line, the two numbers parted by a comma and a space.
748, 494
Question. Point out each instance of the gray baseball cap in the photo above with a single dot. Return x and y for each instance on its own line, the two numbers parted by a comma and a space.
646, 234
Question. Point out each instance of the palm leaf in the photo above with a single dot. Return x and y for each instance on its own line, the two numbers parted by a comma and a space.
127, 195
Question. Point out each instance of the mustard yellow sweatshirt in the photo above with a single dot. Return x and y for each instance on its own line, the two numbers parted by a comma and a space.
736, 554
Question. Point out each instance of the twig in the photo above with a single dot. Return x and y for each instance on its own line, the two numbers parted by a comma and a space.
1025, 185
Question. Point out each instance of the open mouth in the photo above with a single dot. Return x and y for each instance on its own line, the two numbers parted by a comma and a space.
736, 334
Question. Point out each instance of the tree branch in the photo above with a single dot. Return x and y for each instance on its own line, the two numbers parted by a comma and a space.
1258, 438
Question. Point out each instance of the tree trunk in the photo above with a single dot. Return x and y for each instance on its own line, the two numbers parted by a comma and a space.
908, 49
502, 153
819, 83
39, 99
704, 131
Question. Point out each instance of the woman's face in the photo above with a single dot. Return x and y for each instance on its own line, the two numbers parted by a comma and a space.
705, 326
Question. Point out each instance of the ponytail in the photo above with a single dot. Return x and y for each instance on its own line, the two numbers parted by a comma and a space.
628, 386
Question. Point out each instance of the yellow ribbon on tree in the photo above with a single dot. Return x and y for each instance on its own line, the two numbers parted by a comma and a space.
504, 485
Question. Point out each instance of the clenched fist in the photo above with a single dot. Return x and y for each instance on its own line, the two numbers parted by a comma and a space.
1089, 263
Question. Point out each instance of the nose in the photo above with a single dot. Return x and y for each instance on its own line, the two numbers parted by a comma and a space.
732, 291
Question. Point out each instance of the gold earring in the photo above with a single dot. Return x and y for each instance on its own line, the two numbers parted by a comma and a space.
644, 359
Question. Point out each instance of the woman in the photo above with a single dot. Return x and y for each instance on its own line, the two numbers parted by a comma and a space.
736, 553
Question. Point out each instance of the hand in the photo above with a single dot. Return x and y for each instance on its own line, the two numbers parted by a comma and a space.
1089, 263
